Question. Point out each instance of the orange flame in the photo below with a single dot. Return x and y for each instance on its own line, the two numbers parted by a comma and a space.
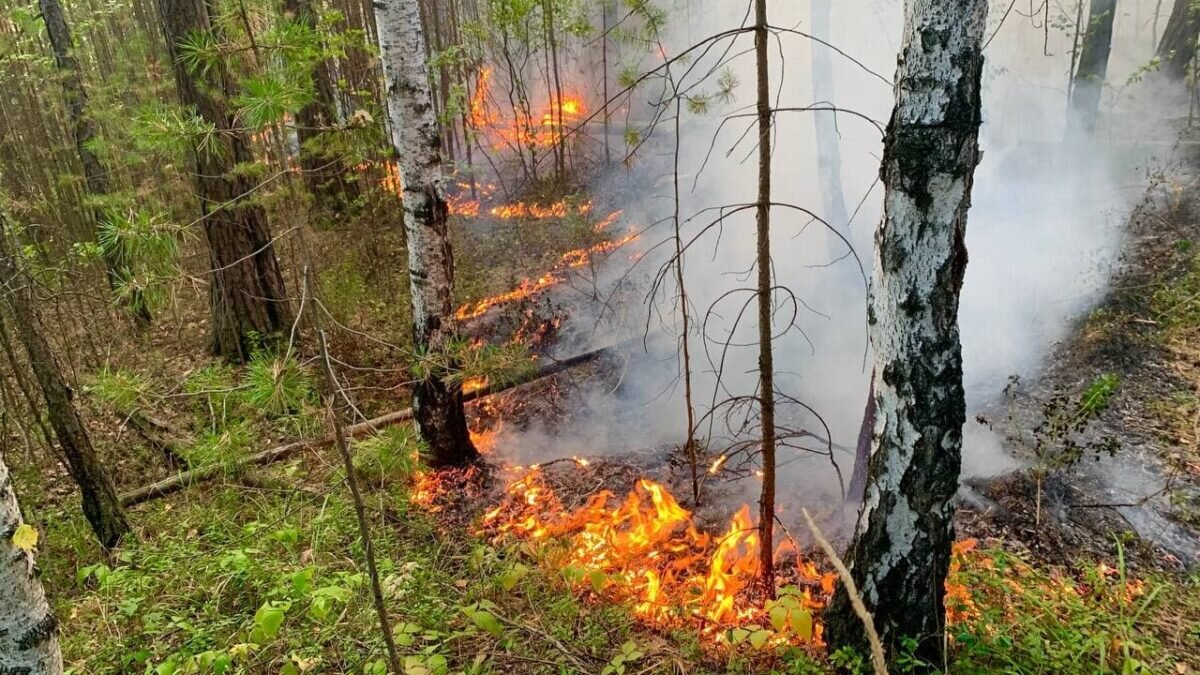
647, 552
527, 288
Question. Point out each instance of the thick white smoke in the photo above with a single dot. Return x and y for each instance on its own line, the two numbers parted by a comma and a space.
1043, 234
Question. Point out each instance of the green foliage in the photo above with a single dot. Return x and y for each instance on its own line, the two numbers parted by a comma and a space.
1021, 619
215, 385
277, 386
227, 445
174, 131
267, 98
145, 247
122, 391
391, 454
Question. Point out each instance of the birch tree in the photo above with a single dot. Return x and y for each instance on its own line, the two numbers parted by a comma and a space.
28, 629
437, 405
101, 506
900, 553
247, 294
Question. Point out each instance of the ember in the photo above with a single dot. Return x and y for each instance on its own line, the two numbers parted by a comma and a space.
528, 288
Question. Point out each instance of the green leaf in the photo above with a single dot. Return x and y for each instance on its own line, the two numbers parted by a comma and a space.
801, 623
269, 618
512, 576
25, 537
759, 638
779, 617
488, 622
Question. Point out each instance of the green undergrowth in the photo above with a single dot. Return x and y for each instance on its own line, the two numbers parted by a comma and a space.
1012, 616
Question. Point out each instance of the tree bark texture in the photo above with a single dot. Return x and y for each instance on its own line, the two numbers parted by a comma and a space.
100, 503
900, 553
247, 292
1092, 70
1177, 48
83, 129
438, 407
766, 358
328, 179
28, 629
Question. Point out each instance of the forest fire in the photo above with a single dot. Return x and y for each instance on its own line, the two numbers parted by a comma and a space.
530, 287
648, 552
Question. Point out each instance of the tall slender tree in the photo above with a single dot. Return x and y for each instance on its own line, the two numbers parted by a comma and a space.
437, 406
766, 358
1177, 48
900, 554
247, 293
28, 629
83, 129
100, 503
328, 179
829, 154
1088, 80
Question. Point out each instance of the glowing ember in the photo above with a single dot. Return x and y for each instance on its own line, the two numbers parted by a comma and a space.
474, 384
559, 209
527, 288
717, 464
646, 551
427, 487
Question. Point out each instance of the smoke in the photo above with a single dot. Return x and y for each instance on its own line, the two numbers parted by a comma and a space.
1043, 235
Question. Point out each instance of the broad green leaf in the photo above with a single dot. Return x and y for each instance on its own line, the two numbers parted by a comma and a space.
25, 538
488, 622
801, 622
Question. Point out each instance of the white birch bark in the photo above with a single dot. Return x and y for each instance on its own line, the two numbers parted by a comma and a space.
414, 131
28, 630
901, 550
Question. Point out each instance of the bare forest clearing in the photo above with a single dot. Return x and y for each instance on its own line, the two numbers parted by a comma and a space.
602, 337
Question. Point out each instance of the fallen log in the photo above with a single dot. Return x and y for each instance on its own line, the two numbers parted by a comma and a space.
281, 452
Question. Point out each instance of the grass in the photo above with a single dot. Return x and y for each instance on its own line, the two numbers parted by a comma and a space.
1011, 615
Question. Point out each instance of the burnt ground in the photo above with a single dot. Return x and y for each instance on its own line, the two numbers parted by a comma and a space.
1144, 495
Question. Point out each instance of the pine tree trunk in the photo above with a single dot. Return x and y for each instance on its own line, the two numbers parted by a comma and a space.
84, 131
766, 358
28, 629
1177, 48
328, 179
437, 407
100, 503
829, 154
247, 292
901, 549
1092, 70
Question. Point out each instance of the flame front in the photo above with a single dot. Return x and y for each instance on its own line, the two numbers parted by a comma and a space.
647, 552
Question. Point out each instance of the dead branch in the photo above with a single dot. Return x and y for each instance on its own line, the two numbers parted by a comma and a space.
282, 452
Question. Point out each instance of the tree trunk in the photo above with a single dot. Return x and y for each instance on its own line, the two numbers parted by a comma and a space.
28, 630
829, 155
766, 359
1177, 48
84, 131
901, 549
100, 504
328, 179
1092, 70
247, 292
438, 407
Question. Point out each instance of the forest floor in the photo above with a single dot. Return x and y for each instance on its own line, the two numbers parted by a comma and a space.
261, 570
